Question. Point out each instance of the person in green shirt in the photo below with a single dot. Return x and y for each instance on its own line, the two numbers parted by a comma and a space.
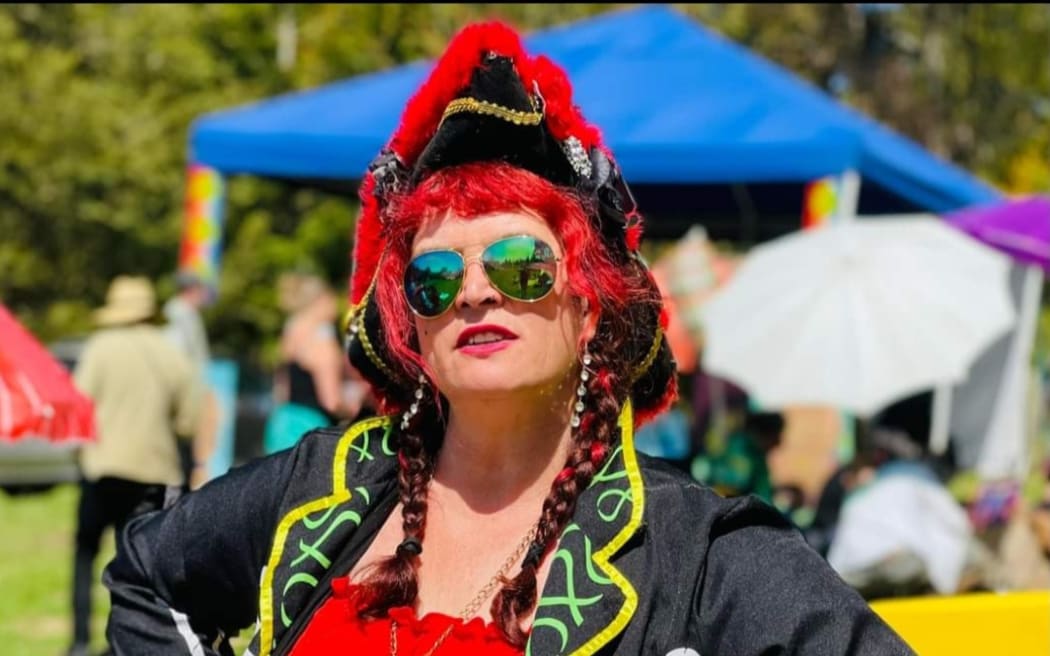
741, 467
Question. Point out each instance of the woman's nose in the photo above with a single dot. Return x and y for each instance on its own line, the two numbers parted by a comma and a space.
477, 289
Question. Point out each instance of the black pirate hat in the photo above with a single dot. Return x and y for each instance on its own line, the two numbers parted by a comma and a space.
487, 100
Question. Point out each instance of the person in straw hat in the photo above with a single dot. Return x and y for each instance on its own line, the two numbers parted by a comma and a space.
513, 337
145, 395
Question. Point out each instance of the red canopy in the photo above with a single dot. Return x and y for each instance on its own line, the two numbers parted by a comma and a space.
37, 395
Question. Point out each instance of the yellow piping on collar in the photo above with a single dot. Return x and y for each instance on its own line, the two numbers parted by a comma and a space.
601, 557
340, 493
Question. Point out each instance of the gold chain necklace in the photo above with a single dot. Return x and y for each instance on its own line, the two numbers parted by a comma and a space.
472, 608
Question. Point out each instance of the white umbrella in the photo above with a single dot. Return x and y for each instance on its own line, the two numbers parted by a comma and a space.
858, 314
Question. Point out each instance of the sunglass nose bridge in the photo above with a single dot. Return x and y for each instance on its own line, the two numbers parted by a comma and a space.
477, 288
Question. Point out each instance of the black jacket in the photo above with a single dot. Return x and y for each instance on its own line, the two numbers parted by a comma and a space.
652, 562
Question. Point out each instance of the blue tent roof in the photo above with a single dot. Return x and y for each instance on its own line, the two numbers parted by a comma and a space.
677, 103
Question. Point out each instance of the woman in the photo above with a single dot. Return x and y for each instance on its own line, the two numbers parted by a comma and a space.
310, 387
512, 334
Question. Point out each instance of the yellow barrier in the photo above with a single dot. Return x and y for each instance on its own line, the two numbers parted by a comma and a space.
984, 624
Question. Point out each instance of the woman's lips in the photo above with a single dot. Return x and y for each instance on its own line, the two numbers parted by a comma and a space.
484, 339
486, 348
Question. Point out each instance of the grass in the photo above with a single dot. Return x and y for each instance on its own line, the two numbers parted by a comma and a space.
36, 574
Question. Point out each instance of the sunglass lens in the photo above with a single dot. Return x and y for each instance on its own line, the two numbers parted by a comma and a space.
521, 267
432, 281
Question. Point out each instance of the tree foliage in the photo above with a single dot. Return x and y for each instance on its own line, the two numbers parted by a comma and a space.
98, 100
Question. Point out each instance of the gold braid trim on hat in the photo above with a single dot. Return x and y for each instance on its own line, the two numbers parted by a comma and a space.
475, 106
355, 325
650, 357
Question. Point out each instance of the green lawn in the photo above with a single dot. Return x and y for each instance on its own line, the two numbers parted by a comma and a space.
36, 572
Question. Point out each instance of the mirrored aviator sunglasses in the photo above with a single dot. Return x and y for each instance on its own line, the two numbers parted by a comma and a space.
522, 268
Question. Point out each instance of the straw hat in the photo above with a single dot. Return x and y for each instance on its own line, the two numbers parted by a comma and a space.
296, 291
129, 299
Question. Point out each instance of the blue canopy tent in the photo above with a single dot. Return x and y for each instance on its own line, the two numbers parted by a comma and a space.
704, 130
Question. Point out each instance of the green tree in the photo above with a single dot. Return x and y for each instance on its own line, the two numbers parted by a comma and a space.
99, 100
94, 117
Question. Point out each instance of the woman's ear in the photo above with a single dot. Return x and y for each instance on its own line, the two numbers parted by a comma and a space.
589, 321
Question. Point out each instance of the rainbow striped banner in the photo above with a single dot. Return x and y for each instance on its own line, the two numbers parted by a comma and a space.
202, 230
819, 202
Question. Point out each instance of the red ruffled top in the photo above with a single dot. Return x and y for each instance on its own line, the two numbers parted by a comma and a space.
336, 625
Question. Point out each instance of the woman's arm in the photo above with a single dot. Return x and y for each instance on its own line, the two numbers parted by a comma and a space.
322, 356
185, 578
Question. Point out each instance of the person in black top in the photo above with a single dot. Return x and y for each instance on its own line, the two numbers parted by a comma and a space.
312, 385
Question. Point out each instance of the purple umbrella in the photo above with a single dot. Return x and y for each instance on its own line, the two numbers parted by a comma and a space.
1020, 228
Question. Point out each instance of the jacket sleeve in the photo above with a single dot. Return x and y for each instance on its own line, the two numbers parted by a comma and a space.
186, 577
764, 590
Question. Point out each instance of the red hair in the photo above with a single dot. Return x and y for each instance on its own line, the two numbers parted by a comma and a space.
614, 291
478, 189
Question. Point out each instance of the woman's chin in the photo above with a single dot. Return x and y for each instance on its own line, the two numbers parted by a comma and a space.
491, 386
481, 388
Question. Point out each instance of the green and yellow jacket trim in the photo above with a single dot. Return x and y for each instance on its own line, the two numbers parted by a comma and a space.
586, 601
670, 567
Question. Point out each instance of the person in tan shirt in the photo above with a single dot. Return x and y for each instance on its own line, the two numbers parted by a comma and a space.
146, 397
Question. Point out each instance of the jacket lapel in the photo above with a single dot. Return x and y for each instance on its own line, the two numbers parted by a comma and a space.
586, 601
303, 545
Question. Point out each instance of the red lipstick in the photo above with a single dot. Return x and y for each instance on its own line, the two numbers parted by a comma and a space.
495, 338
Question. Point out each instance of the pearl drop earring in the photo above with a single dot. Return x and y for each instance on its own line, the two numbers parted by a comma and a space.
413, 409
581, 391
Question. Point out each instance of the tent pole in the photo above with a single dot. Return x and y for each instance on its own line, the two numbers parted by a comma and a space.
748, 214
1004, 454
848, 205
846, 209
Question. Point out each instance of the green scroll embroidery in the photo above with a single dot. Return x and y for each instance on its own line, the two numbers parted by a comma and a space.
313, 551
604, 476
363, 493
339, 496
295, 580
570, 600
385, 446
362, 448
619, 487
552, 623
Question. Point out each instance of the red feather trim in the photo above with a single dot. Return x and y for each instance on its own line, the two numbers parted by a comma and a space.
634, 233
419, 121
368, 241
665, 318
563, 118
450, 75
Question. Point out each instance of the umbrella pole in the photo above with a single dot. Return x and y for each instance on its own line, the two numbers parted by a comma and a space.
861, 436
941, 421
848, 206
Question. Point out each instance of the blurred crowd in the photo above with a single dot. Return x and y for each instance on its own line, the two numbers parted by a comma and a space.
894, 519
145, 368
